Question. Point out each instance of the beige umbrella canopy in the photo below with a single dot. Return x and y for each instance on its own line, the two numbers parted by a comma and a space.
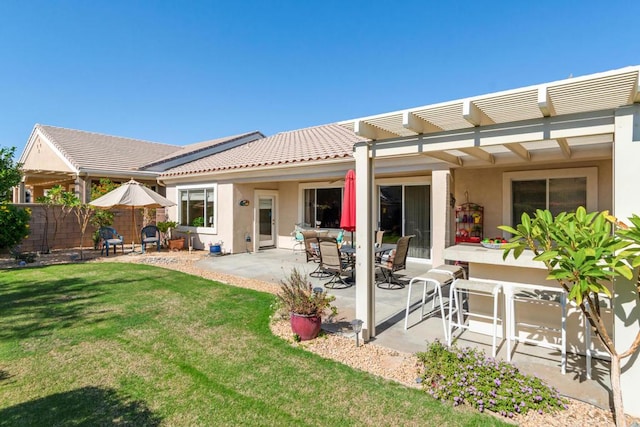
132, 195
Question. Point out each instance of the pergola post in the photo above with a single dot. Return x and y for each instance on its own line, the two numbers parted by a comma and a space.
440, 195
626, 152
365, 279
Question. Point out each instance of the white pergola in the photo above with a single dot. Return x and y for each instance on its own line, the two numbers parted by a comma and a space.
585, 118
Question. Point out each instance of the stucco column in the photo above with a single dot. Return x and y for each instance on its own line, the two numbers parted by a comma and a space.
626, 152
20, 193
82, 188
365, 283
440, 215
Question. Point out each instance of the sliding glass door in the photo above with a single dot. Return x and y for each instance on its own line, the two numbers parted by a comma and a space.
405, 210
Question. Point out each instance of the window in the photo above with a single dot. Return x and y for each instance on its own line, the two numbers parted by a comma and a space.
556, 190
323, 207
197, 206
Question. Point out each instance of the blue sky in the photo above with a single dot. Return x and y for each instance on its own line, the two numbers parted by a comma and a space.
182, 72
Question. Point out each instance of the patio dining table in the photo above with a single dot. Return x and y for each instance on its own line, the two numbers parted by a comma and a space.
351, 251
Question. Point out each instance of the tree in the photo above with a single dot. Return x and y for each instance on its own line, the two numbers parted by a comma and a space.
84, 213
10, 173
584, 252
102, 217
14, 222
56, 196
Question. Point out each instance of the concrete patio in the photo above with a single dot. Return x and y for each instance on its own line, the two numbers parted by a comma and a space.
273, 264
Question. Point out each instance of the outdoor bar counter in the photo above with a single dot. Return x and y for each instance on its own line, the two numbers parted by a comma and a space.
486, 263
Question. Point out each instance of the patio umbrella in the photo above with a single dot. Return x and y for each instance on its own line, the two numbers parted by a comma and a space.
134, 195
348, 217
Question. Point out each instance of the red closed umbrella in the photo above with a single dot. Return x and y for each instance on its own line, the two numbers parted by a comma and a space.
348, 217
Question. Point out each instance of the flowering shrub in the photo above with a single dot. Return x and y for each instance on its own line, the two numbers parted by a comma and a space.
14, 225
469, 376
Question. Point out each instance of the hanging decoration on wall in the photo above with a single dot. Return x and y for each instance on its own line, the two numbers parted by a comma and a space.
244, 202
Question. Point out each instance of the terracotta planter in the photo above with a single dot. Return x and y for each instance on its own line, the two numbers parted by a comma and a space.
176, 244
306, 327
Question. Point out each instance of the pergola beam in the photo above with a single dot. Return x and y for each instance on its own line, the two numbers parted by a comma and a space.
367, 130
418, 124
471, 113
479, 153
635, 95
544, 102
520, 151
564, 146
445, 157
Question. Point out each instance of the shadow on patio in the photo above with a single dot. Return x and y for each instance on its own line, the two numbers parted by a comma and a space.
273, 264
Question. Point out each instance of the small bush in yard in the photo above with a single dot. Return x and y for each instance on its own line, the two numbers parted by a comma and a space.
14, 225
468, 376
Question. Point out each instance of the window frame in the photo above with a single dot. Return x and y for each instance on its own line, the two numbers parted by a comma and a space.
590, 173
206, 188
317, 186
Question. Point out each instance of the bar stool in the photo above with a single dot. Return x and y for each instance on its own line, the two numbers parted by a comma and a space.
438, 280
455, 271
542, 296
477, 287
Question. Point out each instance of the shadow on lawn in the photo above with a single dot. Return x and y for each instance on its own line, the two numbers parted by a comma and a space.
35, 308
90, 406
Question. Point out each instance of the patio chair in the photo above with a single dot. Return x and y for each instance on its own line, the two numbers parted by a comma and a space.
298, 238
332, 263
110, 237
149, 235
395, 262
312, 251
378, 242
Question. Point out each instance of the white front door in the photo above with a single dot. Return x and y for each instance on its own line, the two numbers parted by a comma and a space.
266, 221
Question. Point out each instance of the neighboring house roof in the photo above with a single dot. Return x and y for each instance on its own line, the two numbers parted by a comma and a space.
314, 143
100, 153
186, 153
95, 151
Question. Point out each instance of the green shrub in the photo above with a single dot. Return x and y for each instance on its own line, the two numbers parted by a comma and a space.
14, 225
469, 376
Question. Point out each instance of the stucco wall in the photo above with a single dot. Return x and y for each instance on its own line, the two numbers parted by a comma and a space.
484, 186
235, 222
288, 213
41, 156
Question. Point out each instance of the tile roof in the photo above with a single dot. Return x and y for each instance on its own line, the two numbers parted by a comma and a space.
89, 150
315, 143
201, 146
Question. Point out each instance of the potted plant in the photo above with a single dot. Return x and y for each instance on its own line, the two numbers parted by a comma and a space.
165, 228
305, 305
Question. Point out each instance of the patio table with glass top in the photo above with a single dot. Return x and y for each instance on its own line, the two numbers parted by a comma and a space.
350, 252
385, 247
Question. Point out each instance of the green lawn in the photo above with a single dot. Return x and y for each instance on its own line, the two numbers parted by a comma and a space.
127, 344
